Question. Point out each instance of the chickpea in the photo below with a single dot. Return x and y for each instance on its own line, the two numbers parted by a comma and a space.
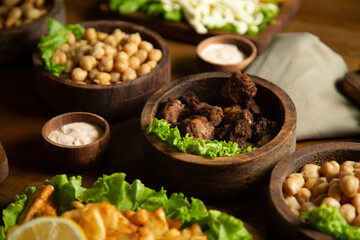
103, 78
330, 202
121, 65
317, 200
348, 212
142, 55
93, 42
293, 183
330, 170
130, 48
128, 75
59, 57
115, 77
13, 16
64, 47
140, 217
292, 203
109, 50
122, 55
98, 52
78, 74
101, 36
307, 206
69, 66
356, 202
90, 34
334, 181
356, 222
106, 64
93, 73
71, 37
134, 62
80, 43
87, 62
111, 40
335, 191
147, 46
347, 168
349, 185
155, 55
152, 64
310, 182
321, 189
310, 171
144, 69
83, 50
134, 38
118, 34
303, 195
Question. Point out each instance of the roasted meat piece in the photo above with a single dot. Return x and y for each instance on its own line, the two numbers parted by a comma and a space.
238, 89
238, 132
253, 107
263, 131
171, 111
198, 127
233, 113
213, 113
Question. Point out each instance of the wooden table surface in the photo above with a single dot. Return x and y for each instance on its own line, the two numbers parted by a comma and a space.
22, 114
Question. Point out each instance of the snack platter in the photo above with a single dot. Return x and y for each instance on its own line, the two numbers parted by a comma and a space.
23, 162
183, 32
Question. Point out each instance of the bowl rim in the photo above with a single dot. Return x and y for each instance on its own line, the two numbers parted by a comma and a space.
238, 38
106, 131
289, 124
39, 65
56, 5
275, 186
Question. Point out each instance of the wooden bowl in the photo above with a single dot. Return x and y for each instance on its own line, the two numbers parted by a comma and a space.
17, 43
223, 176
283, 223
244, 45
75, 158
4, 167
351, 86
113, 102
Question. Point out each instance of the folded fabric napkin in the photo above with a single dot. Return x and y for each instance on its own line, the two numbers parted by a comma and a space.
308, 71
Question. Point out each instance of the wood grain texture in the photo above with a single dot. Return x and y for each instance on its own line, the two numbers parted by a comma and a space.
183, 32
283, 223
76, 158
113, 102
4, 166
225, 176
17, 43
244, 45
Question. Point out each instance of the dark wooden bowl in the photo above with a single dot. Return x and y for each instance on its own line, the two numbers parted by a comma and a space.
75, 158
223, 176
17, 43
4, 167
243, 44
283, 223
351, 86
113, 102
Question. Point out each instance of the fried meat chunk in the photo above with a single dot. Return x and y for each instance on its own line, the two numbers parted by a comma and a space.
234, 113
171, 111
214, 114
198, 127
238, 89
263, 131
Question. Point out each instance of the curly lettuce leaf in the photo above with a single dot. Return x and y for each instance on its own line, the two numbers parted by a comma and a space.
116, 190
190, 145
328, 220
53, 40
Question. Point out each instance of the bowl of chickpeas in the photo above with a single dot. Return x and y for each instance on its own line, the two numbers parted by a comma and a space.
111, 72
309, 178
21, 25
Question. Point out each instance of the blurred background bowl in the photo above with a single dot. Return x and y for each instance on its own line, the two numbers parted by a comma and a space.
4, 166
283, 223
244, 45
222, 176
115, 101
17, 43
75, 158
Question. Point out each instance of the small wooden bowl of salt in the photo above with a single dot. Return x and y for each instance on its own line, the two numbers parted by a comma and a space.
76, 141
225, 53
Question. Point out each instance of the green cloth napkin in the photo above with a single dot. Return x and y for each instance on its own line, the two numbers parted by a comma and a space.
308, 70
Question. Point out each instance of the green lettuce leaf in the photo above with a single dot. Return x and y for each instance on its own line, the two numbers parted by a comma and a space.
190, 145
328, 220
116, 190
53, 40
